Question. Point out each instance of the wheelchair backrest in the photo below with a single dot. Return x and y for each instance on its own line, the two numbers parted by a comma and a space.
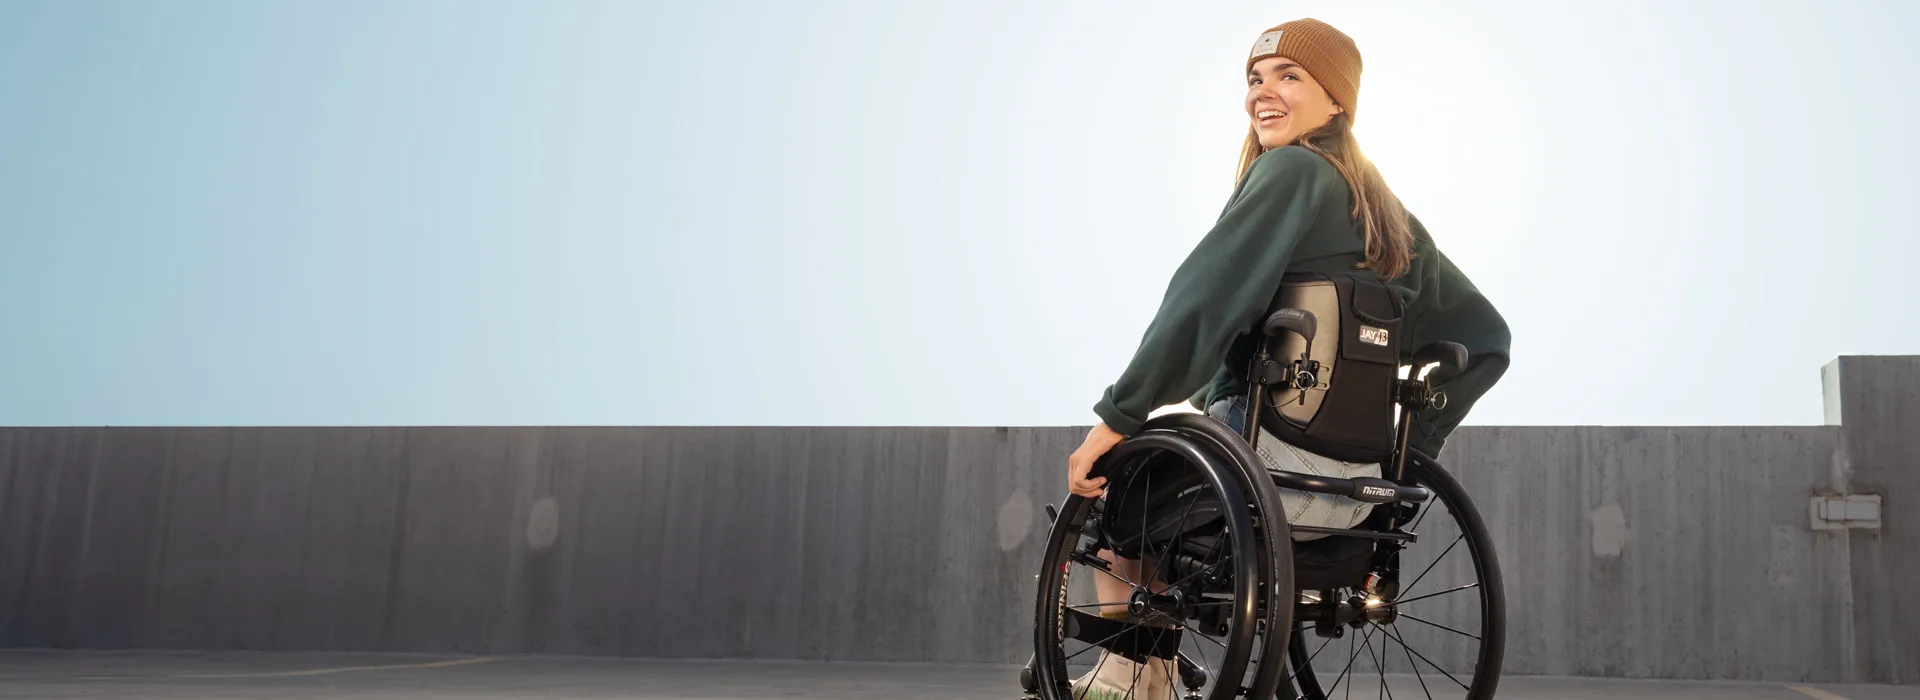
1349, 413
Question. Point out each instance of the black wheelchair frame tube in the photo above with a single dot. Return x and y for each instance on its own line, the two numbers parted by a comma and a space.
1402, 440
1362, 489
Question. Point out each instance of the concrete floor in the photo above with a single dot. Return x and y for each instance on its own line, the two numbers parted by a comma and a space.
218, 676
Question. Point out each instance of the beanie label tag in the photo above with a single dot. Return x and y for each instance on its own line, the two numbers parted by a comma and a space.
1267, 45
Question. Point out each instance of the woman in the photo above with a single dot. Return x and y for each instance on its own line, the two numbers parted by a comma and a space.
1307, 200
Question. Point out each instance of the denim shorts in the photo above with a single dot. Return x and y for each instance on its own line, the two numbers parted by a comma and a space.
1302, 508
1230, 409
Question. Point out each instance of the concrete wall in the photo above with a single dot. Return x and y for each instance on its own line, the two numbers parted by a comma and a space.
1660, 552
1640, 552
817, 543
1879, 416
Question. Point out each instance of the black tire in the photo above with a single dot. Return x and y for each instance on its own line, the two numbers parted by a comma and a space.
1310, 673
1276, 548
1259, 567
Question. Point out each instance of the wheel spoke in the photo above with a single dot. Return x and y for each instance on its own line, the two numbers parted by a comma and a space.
1109, 571
1316, 652
1423, 657
1381, 667
1416, 669
1110, 565
1216, 642
1095, 605
1436, 560
1422, 515
1308, 664
1441, 626
1173, 543
1431, 595
1095, 672
1211, 553
1090, 647
1146, 542
1349, 668
1385, 650
1137, 670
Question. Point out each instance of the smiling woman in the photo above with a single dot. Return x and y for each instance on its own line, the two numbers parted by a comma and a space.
1290, 105
1308, 208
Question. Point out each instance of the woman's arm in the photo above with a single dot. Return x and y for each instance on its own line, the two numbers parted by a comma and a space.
1224, 286
1450, 308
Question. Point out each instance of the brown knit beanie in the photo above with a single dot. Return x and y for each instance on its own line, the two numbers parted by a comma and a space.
1327, 54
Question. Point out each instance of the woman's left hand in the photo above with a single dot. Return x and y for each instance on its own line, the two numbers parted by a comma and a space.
1080, 463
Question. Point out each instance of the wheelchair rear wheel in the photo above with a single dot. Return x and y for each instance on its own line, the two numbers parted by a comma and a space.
1441, 634
1204, 616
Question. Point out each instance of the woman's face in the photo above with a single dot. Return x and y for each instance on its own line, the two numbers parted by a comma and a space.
1284, 102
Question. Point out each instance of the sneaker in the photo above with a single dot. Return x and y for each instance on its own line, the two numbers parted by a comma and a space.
1115, 677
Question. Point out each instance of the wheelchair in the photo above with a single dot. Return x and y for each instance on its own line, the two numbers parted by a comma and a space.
1228, 597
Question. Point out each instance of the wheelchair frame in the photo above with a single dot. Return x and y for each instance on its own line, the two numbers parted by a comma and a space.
1260, 486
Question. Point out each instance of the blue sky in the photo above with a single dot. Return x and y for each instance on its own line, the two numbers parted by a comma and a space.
839, 213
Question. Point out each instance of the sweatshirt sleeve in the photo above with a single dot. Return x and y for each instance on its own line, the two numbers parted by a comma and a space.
1223, 288
1450, 308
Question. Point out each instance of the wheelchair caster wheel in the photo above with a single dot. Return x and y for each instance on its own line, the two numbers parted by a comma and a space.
1194, 679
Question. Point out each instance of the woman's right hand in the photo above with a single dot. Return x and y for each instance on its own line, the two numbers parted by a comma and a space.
1080, 463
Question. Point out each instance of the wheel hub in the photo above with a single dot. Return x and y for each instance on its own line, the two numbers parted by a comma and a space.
1333, 614
1143, 603
1375, 610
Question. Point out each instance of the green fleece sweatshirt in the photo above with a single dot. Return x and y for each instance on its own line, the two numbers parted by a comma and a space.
1291, 213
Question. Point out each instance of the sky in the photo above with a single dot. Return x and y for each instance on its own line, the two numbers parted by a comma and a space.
886, 213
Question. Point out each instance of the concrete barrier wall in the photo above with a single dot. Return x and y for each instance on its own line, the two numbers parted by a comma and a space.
1660, 552
1879, 411
1637, 552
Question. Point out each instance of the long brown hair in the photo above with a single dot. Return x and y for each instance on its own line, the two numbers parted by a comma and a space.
1382, 219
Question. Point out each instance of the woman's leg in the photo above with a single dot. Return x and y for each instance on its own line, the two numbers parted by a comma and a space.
1114, 589
1113, 677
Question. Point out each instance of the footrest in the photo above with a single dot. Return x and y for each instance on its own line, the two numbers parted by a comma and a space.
1129, 639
